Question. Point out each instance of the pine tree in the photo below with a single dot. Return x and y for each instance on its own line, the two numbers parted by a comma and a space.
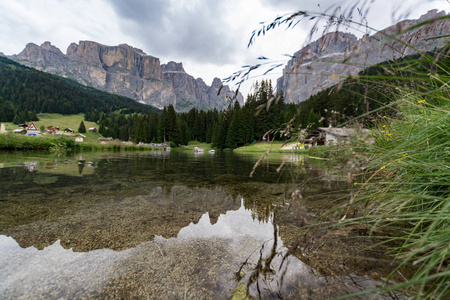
124, 133
248, 124
102, 129
16, 119
82, 128
184, 133
268, 109
139, 134
232, 133
222, 131
292, 114
215, 134
162, 126
8, 111
134, 135
153, 123
313, 120
236, 130
173, 129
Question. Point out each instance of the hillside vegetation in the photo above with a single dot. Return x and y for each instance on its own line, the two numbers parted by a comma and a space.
371, 94
24, 92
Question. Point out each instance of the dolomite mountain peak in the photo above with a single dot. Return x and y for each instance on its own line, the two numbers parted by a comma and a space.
336, 55
127, 71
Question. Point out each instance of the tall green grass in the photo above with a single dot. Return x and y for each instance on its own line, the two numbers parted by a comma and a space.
407, 185
407, 171
410, 190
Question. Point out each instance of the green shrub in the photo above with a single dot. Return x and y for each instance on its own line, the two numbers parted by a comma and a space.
21, 142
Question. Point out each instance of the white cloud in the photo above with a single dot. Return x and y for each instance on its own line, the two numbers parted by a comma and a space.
58, 21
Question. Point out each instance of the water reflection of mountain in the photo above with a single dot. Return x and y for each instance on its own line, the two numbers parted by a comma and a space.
124, 223
114, 178
199, 262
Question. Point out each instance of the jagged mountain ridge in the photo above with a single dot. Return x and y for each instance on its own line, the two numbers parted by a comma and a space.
336, 55
129, 72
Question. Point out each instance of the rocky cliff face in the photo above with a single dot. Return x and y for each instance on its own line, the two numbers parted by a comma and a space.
127, 71
337, 55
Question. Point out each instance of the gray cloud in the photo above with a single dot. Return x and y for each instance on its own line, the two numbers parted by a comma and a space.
142, 10
314, 5
382, 9
377, 14
195, 29
355, 8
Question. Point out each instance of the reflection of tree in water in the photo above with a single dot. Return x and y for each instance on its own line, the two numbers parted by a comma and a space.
80, 167
274, 271
293, 208
262, 271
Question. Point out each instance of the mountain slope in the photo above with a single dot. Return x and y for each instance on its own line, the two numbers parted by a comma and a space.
127, 71
26, 89
337, 55
372, 95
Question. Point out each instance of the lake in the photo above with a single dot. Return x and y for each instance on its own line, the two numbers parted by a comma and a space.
167, 225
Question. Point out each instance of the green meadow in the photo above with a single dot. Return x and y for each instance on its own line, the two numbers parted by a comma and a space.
62, 121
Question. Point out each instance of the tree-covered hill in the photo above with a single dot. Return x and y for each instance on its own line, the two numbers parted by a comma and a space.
24, 92
366, 97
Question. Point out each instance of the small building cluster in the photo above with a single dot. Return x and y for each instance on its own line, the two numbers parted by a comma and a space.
333, 136
31, 130
55, 130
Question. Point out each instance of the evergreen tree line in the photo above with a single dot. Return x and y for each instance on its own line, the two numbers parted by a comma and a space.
24, 92
262, 112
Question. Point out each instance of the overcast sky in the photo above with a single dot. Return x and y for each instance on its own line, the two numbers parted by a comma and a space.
209, 37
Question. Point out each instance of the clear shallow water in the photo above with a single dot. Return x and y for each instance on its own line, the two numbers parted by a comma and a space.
158, 225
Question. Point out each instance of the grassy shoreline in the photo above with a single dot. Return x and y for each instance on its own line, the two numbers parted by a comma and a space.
11, 141
18, 142
263, 147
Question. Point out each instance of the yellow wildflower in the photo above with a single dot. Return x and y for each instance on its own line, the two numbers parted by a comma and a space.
421, 101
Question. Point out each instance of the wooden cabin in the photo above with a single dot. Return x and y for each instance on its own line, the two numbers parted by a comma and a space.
332, 135
80, 138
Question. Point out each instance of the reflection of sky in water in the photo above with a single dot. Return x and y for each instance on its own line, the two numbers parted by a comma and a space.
234, 224
53, 271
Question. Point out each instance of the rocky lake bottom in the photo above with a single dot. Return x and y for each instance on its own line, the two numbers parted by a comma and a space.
169, 225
